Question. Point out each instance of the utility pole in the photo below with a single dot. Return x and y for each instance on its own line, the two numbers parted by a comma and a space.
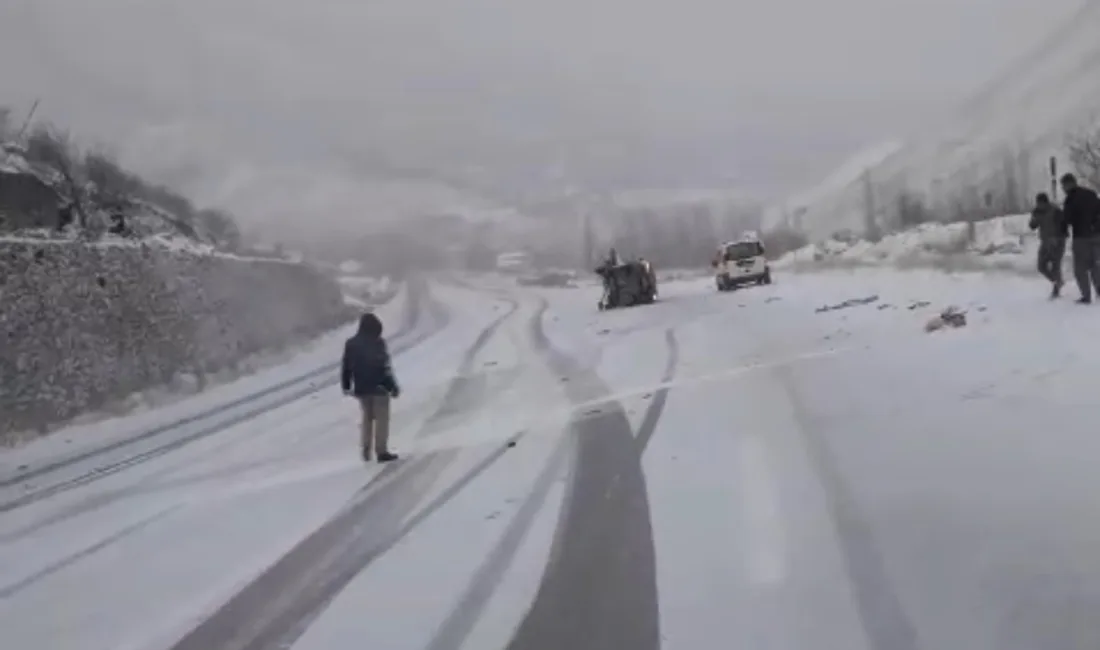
27, 122
587, 244
870, 223
1054, 179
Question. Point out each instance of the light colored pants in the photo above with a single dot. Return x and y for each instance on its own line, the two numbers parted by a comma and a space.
376, 422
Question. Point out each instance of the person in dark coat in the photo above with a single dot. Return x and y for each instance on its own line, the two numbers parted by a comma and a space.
367, 374
1082, 213
1047, 218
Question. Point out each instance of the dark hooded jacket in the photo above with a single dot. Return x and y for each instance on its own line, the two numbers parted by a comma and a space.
1049, 221
1082, 210
366, 369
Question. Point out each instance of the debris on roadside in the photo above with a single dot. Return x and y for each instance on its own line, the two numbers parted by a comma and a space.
919, 304
851, 302
950, 317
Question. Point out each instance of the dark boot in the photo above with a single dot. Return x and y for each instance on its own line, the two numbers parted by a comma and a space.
1084, 301
386, 456
1056, 289
366, 454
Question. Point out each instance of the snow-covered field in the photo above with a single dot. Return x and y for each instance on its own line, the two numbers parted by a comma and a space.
735, 470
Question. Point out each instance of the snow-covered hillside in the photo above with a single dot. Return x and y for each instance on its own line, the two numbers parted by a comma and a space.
1002, 243
999, 142
792, 211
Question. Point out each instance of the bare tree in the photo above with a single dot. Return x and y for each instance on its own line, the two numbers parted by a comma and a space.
48, 145
871, 227
5, 123
911, 210
1084, 155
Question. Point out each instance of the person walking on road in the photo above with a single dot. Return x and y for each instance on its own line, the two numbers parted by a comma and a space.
1082, 213
367, 374
1048, 219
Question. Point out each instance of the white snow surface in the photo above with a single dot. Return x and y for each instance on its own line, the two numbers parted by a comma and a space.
815, 479
1003, 243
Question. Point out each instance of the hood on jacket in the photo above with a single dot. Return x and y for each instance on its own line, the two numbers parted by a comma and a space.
370, 326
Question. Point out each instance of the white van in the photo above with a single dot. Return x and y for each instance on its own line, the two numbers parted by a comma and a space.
741, 262
514, 263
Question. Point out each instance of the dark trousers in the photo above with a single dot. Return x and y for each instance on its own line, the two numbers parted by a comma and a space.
1086, 264
1051, 252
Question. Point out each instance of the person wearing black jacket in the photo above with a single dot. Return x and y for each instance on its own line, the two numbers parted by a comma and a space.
1082, 213
1047, 218
367, 374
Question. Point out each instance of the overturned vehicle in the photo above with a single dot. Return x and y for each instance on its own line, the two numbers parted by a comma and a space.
627, 284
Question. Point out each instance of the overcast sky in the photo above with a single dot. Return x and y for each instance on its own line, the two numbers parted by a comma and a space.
284, 110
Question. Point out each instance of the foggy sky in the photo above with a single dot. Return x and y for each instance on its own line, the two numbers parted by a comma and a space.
333, 112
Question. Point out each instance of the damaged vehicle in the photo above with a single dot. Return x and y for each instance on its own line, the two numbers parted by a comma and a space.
627, 284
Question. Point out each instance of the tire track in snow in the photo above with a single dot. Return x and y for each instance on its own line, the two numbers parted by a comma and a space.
454, 631
469, 386
657, 406
413, 310
115, 467
14, 588
885, 623
275, 609
600, 586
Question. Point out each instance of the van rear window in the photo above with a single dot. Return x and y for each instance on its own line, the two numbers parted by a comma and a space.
743, 250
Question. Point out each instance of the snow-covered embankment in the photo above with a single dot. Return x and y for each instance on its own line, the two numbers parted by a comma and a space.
1003, 243
87, 325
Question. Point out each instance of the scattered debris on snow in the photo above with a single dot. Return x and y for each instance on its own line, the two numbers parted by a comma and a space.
950, 317
851, 302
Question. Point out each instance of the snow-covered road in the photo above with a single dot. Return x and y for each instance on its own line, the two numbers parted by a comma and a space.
733, 470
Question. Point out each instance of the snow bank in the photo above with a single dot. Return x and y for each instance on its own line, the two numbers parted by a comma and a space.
1004, 243
86, 325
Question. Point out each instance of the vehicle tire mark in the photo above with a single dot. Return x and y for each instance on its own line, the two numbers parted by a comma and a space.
153, 484
454, 631
317, 569
414, 310
885, 622
130, 461
293, 634
468, 387
456, 628
657, 406
12, 589
600, 587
